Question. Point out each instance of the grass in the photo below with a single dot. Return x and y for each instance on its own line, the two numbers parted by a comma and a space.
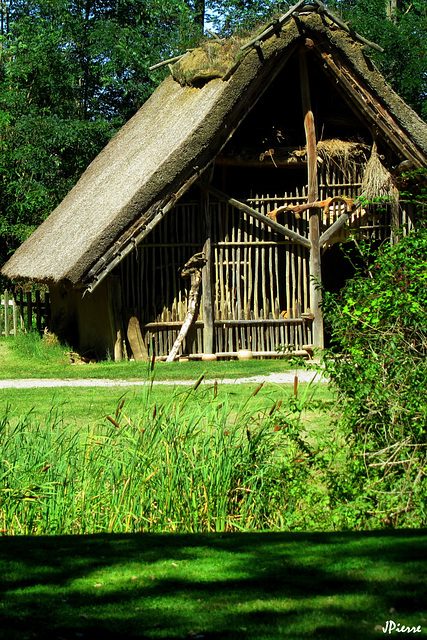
27, 356
88, 406
255, 586
199, 461
251, 586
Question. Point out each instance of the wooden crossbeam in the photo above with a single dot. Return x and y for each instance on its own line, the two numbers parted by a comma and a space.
293, 235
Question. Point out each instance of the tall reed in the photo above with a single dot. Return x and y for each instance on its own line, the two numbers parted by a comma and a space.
193, 464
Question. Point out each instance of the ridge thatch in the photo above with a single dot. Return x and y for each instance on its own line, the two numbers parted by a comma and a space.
177, 133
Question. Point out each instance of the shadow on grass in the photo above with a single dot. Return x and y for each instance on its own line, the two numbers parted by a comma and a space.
262, 586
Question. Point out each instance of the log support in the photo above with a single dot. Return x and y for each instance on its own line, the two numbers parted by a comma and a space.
314, 222
192, 268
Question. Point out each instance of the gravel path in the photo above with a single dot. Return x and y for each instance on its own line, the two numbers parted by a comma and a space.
32, 383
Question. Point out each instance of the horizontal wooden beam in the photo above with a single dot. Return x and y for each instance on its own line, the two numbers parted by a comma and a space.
260, 322
284, 231
173, 324
300, 353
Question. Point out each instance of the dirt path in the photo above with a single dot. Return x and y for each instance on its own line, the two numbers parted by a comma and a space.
32, 383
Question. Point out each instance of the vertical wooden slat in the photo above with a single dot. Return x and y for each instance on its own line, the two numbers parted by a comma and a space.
256, 274
29, 312
21, 310
207, 272
15, 316
6, 312
38, 312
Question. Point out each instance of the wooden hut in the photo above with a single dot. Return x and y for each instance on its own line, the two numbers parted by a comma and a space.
212, 179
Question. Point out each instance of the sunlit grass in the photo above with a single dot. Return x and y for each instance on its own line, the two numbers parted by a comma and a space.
81, 406
28, 356
195, 460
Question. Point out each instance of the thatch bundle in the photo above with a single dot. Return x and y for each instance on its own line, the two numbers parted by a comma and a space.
344, 154
378, 185
210, 60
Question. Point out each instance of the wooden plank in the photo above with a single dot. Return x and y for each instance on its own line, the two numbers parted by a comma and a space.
135, 338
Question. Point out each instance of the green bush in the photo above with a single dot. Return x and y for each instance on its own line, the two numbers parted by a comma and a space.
378, 323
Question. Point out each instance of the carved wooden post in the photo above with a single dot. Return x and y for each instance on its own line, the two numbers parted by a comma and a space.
314, 225
192, 268
207, 285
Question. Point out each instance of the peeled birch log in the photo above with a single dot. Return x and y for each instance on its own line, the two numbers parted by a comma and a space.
196, 279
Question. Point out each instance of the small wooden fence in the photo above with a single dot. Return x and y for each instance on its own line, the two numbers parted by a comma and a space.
23, 312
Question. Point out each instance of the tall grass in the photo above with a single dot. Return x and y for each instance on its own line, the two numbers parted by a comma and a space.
192, 464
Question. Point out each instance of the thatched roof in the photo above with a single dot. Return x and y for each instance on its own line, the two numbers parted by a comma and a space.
179, 131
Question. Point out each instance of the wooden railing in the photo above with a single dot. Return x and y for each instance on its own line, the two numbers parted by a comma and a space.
23, 312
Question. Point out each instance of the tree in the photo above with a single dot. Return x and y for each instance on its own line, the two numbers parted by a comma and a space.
400, 27
71, 73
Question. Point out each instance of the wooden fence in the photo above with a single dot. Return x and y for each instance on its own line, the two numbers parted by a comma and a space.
23, 312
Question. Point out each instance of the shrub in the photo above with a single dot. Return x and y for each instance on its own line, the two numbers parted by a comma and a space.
379, 369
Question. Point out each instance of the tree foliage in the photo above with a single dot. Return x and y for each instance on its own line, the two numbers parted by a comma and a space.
71, 73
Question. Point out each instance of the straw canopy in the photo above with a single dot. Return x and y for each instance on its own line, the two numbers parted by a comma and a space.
180, 130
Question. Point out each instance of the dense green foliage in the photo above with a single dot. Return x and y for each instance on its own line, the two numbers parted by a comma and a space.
379, 368
71, 73
402, 31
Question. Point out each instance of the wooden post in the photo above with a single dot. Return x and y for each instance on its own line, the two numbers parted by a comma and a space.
15, 316
192, 268
6, 313
114, 310
29, 312
38, 312
314, 226
207, 284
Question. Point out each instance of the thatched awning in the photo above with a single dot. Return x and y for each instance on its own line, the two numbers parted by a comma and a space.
181, 129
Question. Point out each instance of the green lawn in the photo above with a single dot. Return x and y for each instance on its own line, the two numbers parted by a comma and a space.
88, 406
28, 357
261, 586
